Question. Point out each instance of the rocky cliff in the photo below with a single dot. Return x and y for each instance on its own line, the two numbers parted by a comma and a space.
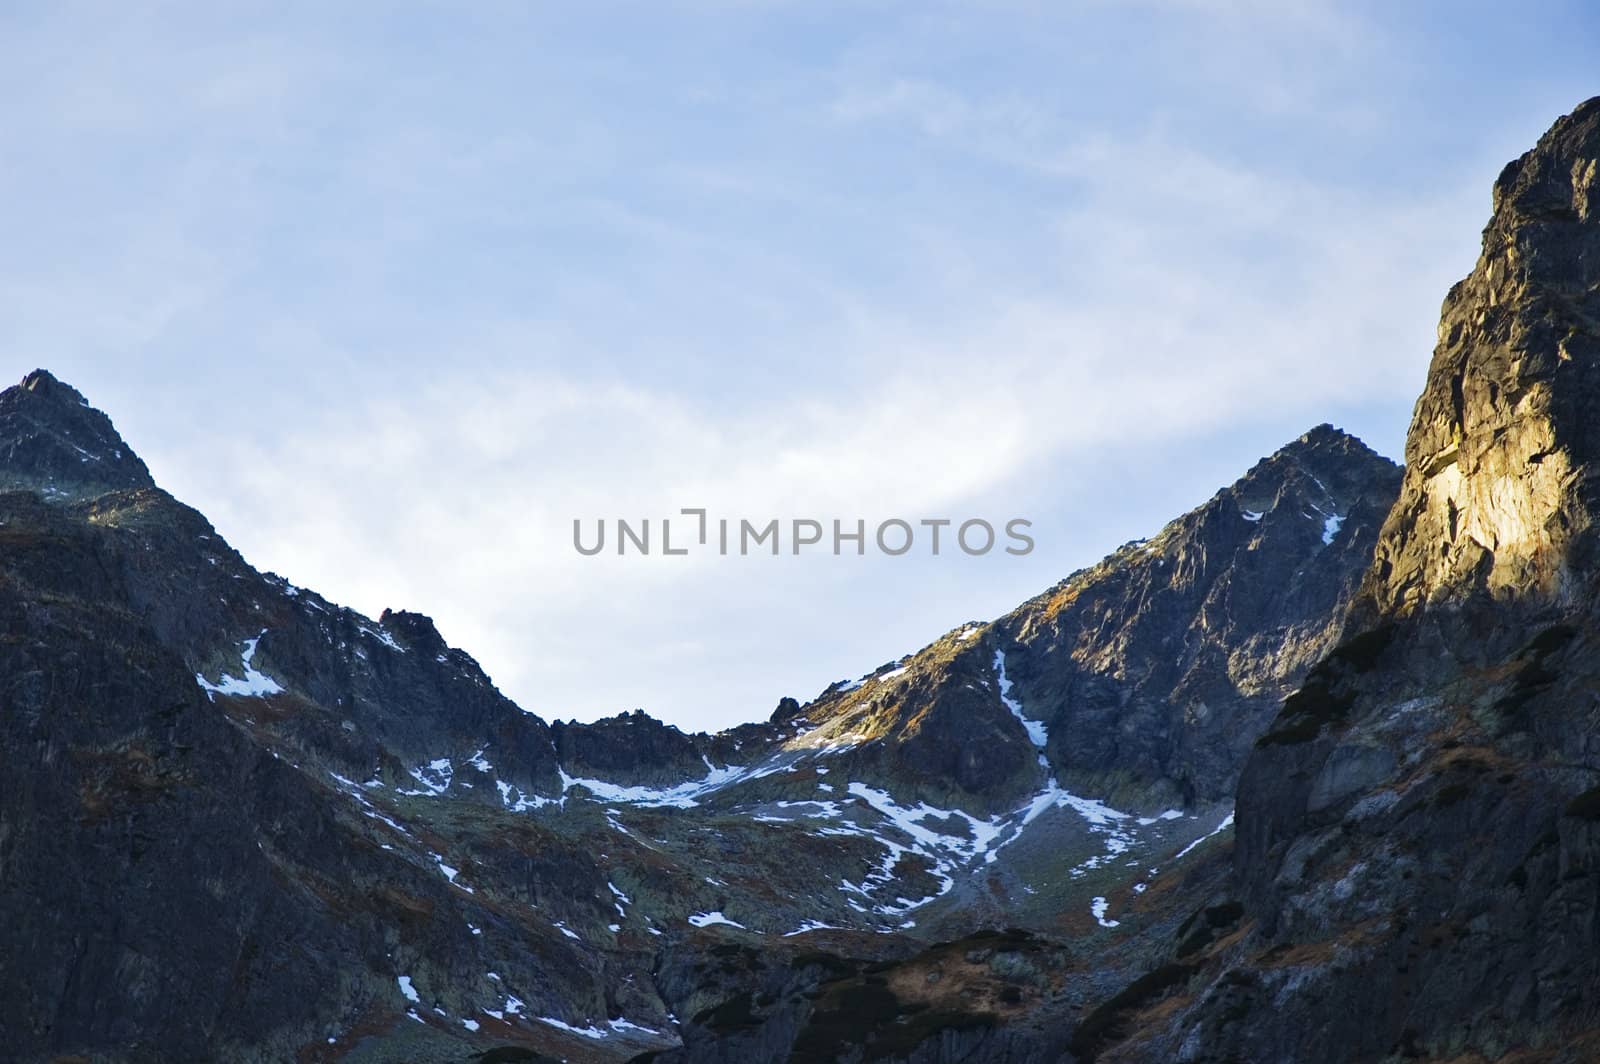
1417, 866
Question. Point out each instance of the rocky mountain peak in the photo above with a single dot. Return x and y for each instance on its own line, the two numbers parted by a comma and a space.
1558, 173
1325, 470
53, 442
1147, 675
323, 837
43, 382
1054, 771
413, 631
1324, 437
1499, 497
1332, 445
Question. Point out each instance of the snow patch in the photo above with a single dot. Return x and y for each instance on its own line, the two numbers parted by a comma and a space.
434, 777
811, 925
450, 873
586, 1032
357, 792
383, 637
685, 795
1227, 822
254, 683
1098, 909
707, 919
513, 798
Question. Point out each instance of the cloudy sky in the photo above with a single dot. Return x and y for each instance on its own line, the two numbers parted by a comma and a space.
393, 293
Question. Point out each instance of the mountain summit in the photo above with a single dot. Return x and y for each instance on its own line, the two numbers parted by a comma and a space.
54, 442
1150, 673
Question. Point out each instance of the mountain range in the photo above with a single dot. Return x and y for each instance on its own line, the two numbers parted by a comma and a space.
1308, 775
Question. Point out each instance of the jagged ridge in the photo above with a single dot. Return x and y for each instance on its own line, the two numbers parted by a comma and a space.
358, 796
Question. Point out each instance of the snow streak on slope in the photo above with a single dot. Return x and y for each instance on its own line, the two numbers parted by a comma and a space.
1115, 826
1036, 729
684, 795
254, 683
1227, 822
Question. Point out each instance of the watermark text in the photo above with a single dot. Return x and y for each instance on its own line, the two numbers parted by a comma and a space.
693, 530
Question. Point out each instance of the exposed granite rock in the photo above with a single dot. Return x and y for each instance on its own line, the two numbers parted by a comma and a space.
974, 998
787, 710
1500, 488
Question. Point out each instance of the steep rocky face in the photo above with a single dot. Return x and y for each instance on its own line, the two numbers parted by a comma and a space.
243, 822
1162, 664
1150, 674
630, 749
1500, 488
1417, 868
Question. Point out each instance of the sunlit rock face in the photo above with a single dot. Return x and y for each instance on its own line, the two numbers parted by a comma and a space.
1499, 497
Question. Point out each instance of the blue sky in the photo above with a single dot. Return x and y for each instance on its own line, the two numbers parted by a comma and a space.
394, 292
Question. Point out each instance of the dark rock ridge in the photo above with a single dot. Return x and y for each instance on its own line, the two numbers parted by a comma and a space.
1417, 866
1164, 662
630, 749
1151, 673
